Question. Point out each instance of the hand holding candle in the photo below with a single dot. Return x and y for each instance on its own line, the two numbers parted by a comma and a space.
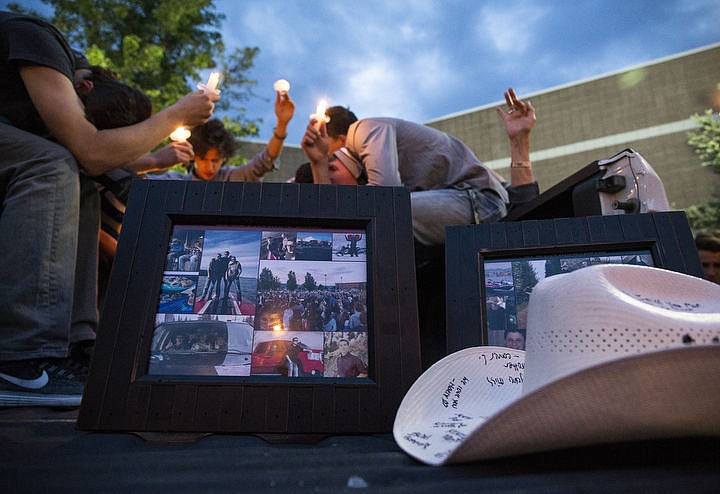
319, 114
281, 86
212, 83
180, 134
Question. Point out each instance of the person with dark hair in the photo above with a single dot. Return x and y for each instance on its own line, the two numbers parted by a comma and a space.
212, 279
339, 121
353, 238
448, 183
515, 338
349, 365
213, 144
221, 274
111, 104
234, 270
292, 357
49, 150
708, 246
303, 174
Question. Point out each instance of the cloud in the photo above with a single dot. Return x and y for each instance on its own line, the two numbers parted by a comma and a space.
509, 28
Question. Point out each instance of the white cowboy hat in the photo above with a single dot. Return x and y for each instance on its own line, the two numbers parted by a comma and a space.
614, 353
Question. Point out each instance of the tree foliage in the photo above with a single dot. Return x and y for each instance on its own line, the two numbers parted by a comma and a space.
309, 283
162, 47
704, 216
267, 280
706, 139
706, 142
524, 277
292, 283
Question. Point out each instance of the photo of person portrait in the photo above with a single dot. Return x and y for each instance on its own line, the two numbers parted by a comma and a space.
515, 339
276, 245
346, 354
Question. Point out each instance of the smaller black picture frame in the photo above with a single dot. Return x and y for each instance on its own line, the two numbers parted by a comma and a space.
666, 235
120, 397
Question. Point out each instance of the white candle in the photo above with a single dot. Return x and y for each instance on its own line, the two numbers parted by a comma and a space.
319, 114
180, 134
281, 86
212, 83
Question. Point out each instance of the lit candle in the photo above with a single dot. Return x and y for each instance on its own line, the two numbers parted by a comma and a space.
180, 134
212, 83
319, 114
281, 86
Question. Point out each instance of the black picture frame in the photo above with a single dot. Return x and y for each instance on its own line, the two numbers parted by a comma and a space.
120, 397
666, 235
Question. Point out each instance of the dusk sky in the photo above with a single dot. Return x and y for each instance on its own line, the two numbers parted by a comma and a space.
421, 60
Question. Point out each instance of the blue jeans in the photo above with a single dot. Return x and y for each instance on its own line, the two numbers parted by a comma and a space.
433, 210
48, 250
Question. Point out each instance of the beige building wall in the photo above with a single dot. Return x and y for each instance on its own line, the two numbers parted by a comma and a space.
646, 108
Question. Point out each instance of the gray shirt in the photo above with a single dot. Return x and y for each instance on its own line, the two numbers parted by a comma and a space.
398, 152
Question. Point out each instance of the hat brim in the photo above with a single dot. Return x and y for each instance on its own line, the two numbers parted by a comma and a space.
349, 162
663, 394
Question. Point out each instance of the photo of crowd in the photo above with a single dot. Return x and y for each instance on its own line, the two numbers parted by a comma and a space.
263, 301
509, 283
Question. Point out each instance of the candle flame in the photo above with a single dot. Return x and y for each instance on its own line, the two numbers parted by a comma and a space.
319, 114
321, 108
180, 134
281, 86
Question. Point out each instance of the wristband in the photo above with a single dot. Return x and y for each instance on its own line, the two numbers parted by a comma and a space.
521, 164
279, 138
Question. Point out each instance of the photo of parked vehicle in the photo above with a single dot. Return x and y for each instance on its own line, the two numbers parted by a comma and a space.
279, 356
201, 348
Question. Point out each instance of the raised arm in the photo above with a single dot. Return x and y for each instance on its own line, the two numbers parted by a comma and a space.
99, 151
284, 111
519, 120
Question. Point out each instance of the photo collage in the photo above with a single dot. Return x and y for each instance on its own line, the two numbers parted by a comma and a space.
262, 301
509, 283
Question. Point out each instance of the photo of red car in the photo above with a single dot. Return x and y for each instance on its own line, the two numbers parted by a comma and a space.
271, 358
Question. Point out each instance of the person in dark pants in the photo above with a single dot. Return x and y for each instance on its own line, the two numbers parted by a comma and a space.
211, 278
234, 270
50, 146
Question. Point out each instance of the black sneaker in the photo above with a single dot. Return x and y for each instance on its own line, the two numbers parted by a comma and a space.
39, 382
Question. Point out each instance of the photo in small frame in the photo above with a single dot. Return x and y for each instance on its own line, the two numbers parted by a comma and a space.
492, 268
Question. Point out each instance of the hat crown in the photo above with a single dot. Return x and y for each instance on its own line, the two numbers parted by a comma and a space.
606, 312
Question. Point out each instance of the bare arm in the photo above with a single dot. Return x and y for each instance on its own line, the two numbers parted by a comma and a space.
284, 111
519, 121
99, 151
171, 154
